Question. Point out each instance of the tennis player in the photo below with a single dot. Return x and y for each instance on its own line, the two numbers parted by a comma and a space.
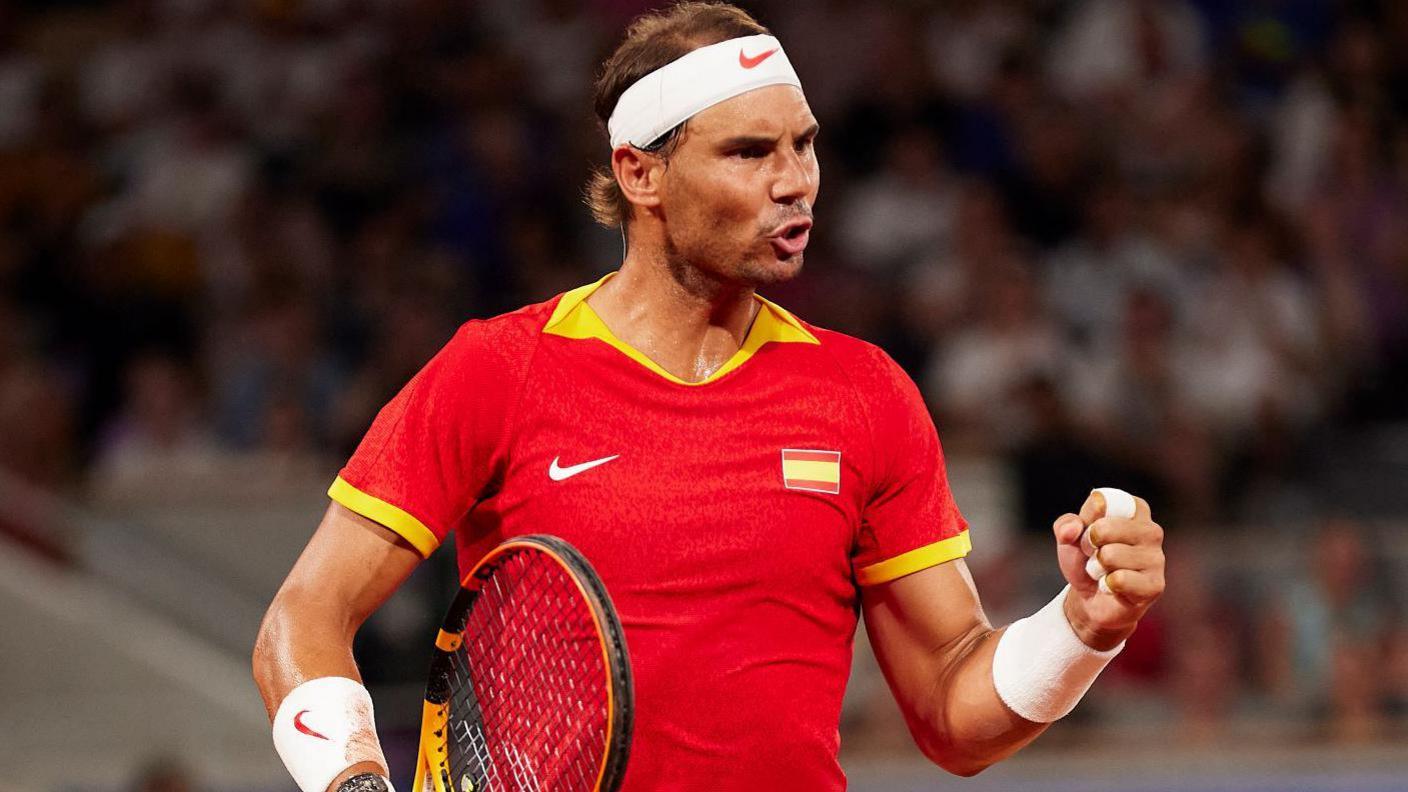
745, 483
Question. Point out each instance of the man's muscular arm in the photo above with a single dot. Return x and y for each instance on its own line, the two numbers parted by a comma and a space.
349, 568
936, 646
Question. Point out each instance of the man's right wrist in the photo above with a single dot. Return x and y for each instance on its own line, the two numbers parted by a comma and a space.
365, 781
361, 777
325, 732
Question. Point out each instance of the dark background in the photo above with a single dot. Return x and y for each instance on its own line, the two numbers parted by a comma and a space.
1158, 245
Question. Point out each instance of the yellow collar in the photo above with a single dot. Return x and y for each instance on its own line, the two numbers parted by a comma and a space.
573, 318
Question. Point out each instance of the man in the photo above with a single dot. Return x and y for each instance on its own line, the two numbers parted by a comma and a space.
742, 480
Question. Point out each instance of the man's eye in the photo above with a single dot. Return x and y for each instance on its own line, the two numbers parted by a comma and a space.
751, 152
804, 144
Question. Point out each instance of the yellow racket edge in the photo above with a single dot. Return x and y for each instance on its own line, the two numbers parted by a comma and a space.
432, 759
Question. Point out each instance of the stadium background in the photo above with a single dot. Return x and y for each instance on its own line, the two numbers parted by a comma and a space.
1154, 244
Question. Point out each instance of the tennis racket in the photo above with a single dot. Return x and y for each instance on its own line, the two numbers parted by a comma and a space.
530, 685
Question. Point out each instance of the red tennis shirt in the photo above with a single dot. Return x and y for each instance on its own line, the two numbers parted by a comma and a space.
732, 520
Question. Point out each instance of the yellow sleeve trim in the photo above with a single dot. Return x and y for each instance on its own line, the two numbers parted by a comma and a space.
393, 517
939, 552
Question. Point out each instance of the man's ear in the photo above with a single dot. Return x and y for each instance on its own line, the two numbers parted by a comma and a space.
639, 174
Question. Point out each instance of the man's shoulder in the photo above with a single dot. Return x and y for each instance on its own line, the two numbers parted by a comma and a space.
866, 369
510, 334
837, 342
854, 355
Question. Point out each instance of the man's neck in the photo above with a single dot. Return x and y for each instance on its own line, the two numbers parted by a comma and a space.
686, 321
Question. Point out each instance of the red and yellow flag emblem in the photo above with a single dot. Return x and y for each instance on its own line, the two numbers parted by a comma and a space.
811, 470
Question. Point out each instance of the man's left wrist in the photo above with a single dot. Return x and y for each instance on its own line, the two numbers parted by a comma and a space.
1101, 639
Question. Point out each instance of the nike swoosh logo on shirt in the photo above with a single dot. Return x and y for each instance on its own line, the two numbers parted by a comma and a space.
558, 473
749, 63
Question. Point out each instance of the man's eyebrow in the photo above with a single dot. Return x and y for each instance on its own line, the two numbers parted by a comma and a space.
744, 141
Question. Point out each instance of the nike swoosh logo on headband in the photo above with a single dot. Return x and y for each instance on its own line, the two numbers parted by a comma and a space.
749, 63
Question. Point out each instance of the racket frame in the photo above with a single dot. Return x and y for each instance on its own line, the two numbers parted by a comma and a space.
432, 762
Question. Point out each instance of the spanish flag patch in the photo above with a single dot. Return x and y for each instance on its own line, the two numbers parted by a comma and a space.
811, 470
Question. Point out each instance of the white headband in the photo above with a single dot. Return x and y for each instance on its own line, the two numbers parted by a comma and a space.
670, 95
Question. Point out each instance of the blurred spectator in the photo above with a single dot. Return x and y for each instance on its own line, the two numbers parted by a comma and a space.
193, 173
37, 421
276, 382
558, 40
164, 774
37, 426
1136, 402
1324, 641
816, 32
159, 436
1088, 279
21, 79
1057, 459
1207, 653
968, 41
904, 211
1257, 331
1047, 186
1111, 48
976, 382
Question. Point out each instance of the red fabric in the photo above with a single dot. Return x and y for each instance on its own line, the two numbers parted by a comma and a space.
737, 594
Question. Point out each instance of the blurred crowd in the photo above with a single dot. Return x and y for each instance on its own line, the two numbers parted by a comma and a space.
1154, 243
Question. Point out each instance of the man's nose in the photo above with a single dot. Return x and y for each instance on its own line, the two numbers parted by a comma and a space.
797, 178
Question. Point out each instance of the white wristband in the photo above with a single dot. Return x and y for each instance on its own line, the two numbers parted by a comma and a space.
1041, 668
323, 727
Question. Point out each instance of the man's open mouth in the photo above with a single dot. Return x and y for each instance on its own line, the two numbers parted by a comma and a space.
791, 238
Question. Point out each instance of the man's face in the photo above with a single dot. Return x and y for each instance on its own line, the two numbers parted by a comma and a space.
737, 194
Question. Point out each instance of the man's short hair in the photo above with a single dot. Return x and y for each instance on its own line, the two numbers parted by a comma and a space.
651, 41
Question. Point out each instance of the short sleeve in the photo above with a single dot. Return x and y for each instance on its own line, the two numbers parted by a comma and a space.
434, 448
910, 521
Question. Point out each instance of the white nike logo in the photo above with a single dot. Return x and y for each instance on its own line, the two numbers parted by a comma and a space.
557, 473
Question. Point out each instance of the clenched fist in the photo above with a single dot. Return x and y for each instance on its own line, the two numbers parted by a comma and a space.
1114, 563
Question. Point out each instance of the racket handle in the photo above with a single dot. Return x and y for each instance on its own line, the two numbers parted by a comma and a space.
1118, 503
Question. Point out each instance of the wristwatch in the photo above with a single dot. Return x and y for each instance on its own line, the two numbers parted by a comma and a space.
366, 782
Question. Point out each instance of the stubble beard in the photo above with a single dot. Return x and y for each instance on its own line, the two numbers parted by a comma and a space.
701, 268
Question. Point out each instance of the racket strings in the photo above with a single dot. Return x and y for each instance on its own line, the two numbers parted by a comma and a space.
529, 710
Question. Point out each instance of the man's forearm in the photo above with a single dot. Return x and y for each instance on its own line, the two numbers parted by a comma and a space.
968, 727
323, 721
973, 695
299, 643
1009, 684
